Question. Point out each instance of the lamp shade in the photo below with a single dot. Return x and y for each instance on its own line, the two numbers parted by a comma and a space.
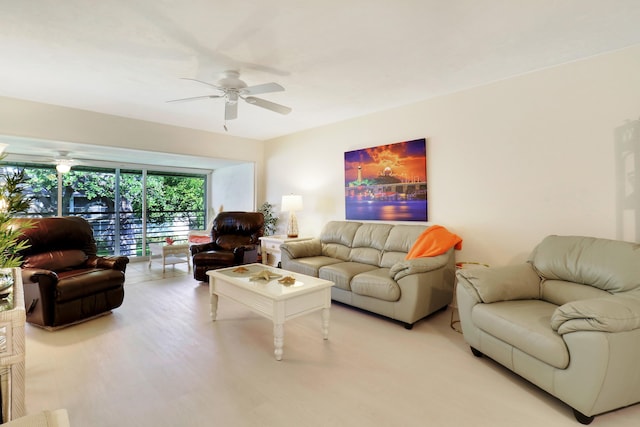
292, 203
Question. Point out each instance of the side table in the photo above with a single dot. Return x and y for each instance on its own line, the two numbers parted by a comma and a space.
170, 254
455, 319
12, 352
270, 248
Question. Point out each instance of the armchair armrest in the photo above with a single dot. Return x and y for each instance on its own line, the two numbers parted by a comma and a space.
204, 247
615, 313
34, 275
108, 262
506, 283
246, 254
302, 249
417, 265
39, 294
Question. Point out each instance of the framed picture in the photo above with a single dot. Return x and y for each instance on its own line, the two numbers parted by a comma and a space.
387, 183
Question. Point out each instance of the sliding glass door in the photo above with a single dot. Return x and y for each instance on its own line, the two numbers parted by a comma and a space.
127, 209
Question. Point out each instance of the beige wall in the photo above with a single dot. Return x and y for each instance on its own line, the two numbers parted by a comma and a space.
33, 120
508, 163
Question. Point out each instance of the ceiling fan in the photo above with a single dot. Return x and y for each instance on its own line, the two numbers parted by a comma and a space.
64, 162
231, 88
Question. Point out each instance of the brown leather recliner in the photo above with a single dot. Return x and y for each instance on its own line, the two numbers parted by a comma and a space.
234, 241
65, 282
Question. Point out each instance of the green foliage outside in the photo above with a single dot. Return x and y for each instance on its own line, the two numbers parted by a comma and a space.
167, 195
175, 203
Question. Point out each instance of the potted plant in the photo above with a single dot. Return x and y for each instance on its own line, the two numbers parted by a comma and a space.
270, 220
12, 202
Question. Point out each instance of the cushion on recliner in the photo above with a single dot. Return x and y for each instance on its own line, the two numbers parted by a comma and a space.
229, 242
214, 258
74, 284
55, 260
57, 233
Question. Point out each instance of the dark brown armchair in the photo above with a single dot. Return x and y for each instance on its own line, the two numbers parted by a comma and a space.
65, 282
234, 241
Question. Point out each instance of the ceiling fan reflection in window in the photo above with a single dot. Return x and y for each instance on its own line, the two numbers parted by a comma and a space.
232, 89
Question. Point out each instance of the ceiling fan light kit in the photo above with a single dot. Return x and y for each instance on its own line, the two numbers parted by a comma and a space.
231, 88
63, 166
63, 162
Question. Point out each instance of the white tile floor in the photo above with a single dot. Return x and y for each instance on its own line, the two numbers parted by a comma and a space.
159, 360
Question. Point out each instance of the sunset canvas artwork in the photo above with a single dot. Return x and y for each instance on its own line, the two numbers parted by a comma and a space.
387, 182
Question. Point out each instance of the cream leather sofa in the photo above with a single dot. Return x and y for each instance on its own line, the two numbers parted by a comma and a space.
366, 261
568, 320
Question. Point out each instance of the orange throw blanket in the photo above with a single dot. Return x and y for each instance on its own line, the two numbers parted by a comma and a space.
435, 240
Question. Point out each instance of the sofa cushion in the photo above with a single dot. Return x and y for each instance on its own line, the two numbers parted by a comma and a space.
376, 284
56, 260
310, 265
371, 236
368, 243
342, 273
560, 292
339, 232
527, 326
610, 265
401, 239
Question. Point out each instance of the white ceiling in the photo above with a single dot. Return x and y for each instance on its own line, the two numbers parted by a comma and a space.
336, 59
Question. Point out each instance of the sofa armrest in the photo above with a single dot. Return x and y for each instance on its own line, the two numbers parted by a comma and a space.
108, 262
615, 313
302, 249
513, 282
417, 265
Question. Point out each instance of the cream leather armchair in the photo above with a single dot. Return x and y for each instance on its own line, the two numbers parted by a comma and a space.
568, 320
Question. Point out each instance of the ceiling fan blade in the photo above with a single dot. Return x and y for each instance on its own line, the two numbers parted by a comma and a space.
193, 98
203, 82
263, 88
268, 105
231, 111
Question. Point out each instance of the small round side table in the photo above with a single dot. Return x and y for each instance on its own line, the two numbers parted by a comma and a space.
455, 318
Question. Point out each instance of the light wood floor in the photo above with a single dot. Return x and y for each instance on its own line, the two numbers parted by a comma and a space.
159, 360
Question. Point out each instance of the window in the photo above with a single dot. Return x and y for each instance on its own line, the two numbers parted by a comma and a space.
128, 209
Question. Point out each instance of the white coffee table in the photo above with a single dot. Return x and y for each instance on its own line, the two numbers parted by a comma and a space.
271, 299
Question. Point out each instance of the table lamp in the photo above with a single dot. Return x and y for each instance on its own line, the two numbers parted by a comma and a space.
292, 203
